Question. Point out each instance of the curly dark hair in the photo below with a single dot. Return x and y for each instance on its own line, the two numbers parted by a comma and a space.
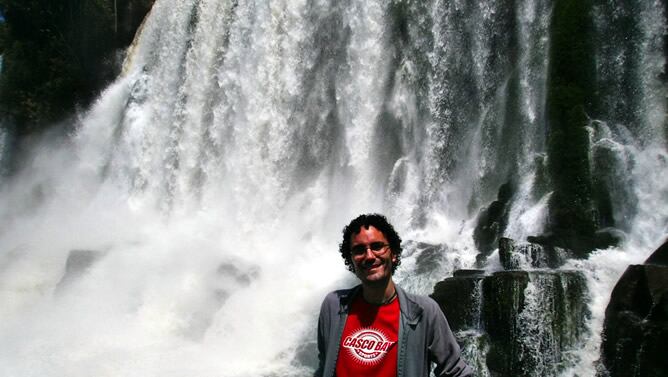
377, 221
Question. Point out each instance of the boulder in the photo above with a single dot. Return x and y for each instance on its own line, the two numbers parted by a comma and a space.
77, 264
660, 256
428, 257
607, 237
635, 329
491, 223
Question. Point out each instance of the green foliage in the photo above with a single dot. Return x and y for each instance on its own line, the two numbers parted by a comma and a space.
56, 55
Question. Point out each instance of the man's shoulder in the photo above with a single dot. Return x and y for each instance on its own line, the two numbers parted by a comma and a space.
340, 294
343, 292
422, 300
425, 303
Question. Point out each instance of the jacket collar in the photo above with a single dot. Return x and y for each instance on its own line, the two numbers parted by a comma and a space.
411, 310
346, 298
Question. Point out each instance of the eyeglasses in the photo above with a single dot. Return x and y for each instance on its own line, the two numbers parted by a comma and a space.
376, 247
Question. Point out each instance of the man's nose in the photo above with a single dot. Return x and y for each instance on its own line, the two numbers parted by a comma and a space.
368, 254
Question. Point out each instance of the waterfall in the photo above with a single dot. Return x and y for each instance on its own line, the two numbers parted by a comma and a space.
190, 225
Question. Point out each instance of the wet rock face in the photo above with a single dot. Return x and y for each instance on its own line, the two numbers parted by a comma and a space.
534, 319
492, 221
428, 257
131, 13
459, 298
515, 256
636, 321
520, 321
516, 323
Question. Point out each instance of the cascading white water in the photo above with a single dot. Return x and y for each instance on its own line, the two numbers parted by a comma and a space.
210, 182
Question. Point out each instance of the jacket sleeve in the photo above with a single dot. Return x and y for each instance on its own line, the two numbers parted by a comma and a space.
323, 336
443, 348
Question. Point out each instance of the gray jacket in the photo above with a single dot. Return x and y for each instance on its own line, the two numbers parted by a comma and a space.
424, 336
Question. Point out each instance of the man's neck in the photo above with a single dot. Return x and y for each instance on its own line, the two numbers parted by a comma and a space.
379, 293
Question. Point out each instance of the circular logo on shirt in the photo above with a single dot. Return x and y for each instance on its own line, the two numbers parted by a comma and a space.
368, 345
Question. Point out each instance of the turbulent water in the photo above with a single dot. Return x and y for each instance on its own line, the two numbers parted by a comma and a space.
190, 224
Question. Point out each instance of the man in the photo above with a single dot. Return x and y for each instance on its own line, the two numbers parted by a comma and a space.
377, 329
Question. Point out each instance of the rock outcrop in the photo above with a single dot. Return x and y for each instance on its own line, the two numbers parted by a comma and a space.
515, 256
636, 321
517, 322
491, 223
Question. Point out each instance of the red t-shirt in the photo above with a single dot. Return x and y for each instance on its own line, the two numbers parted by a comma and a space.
369, 341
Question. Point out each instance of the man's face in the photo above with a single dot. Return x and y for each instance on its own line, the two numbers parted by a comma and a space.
371, 256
